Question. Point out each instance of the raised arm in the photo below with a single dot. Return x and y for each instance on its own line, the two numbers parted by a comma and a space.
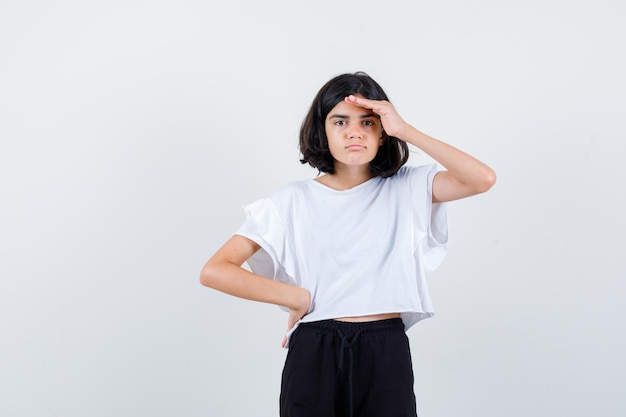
465, 175
224, 273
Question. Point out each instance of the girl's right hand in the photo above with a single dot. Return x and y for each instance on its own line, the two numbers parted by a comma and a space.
297, 312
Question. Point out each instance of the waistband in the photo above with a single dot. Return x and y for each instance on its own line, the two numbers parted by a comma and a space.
350, 328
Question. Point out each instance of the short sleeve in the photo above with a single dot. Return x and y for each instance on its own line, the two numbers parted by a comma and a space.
264, 226
431, 219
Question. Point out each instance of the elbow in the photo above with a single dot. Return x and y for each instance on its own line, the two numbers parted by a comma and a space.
487, 180
208, 275
490, 179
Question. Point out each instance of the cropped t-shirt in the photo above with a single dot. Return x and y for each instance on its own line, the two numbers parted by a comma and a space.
361, 251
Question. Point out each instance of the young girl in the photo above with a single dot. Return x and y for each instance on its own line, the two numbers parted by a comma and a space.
346, 253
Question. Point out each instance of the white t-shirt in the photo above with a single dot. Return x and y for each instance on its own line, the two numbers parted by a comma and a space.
359, 252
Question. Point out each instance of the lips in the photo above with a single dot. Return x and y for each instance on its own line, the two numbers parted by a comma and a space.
355, 147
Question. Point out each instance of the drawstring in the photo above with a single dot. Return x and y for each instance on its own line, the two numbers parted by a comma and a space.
347, 344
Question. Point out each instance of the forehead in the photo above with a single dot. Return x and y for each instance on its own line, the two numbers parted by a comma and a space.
344, 109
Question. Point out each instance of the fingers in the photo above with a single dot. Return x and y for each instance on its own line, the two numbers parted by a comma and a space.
291, 322
297, 313
379, 107
290, 326
361, 102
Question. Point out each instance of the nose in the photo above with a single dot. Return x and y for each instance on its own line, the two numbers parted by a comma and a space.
355, 132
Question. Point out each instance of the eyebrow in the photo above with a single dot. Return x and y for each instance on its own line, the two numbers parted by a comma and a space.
363, 116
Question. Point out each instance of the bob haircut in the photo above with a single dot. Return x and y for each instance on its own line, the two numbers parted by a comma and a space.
392, 154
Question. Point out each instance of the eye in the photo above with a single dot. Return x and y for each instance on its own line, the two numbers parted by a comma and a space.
340, 122
368, 123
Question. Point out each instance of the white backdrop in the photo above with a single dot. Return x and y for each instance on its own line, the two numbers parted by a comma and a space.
132, 132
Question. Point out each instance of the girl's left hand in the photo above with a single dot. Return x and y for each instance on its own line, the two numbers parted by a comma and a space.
392, 123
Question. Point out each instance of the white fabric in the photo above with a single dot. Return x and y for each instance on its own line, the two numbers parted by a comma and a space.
359, 252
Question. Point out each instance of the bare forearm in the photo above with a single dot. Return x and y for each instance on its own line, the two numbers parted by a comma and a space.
463, 166
234, 280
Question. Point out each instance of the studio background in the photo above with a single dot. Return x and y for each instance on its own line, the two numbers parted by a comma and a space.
132, 132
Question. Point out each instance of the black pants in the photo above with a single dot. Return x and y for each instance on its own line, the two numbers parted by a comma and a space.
339, 369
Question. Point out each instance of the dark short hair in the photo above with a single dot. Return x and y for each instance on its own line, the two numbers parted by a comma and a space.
392, 154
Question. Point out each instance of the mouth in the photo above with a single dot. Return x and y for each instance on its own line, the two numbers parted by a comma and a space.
355, 147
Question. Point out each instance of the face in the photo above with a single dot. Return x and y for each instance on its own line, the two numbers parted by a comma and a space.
354, 134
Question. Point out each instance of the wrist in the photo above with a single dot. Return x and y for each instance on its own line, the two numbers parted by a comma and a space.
300, 299
413, 136
407, 133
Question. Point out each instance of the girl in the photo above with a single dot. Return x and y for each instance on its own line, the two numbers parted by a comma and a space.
347, 253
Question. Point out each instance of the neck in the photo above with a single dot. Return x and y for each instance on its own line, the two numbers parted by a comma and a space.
346, 177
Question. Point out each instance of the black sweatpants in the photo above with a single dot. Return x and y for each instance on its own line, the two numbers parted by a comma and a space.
339, 369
